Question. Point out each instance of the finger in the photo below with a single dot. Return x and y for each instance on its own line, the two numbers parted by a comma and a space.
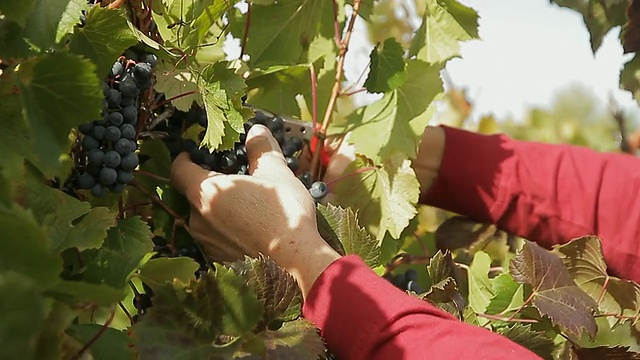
186, 177
265, 157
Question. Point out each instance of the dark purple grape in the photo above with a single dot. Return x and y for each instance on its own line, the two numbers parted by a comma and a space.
276, 124
150, 59
244, 170
117, 69
130, 114
112, 134
125, 177
95, 157
112, 160
131, 54
98, 190
279, 136
142, 71
292, 163
116, 118
188, 145
197, 156
99, 132
114, 98
108, 176
117, 188
94, 170
86, 181
89, 143
86, 128
125, 146
212, 160
128, 87
127, 101
129, 162
306, 178
128, 131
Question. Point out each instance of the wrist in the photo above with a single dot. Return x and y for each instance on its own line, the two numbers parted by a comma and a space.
305, 258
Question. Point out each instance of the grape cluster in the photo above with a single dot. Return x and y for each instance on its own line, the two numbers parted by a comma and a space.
107, 158
407, 281
235, 161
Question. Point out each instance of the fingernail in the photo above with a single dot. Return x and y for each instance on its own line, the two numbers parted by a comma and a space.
258, 130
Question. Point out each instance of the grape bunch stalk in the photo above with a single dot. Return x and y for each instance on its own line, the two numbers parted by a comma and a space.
107, 154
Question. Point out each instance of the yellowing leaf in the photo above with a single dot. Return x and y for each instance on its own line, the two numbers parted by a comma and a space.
174, 82
385, 196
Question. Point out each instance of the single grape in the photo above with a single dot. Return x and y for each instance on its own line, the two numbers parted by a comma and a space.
150, 59
279, 136
292, 163
261, 118
129, 162
116, 118
188, 145
86, 128
104, 121
229, 163
128, 131
99, 132
112, 134
98, 190
108, 176
244, 170
276, 124
197, 156
124, 146
412, 285
94, 170
212, 160
117, 188
114, 98
130, 114
142, 71
202, 119
117, 69
306, 178
125, 177
128, 87
112, 159
241, 153
144, 84
95, 157
90, 143
291, 146
142, 301
131, 54
86, 181
318, 190
296, 142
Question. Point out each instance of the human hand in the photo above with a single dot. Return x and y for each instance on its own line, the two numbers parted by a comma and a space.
268, 212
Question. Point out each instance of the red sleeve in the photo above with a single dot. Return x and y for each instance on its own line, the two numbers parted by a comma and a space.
545, 193
362, 316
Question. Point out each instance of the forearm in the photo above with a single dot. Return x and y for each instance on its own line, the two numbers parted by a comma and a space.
363, 316
546, 193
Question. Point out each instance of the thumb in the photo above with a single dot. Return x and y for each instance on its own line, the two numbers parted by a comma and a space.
186, 177
265, 157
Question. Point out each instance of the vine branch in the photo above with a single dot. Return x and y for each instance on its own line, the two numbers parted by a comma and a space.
335, 90
97, 336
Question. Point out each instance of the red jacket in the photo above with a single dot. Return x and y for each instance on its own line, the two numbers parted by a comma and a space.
547, 193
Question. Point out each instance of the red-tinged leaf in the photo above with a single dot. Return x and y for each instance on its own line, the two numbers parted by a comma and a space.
536, 341
554, 292
610, 353
584, 259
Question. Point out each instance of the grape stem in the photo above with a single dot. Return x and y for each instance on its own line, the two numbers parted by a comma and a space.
173, 98
247, 25
155, 199
97, 336
152, 175
314, 95
116, 4
335, 90
404, 259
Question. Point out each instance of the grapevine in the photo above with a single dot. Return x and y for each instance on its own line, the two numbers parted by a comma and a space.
99, 97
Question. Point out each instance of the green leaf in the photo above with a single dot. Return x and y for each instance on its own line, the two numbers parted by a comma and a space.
174, 82
630, 76
286, 24
105, 36
59, 91
480, 289
445, 24
127, 248
167, 269
396, 122
17, 11
385, 195
606, 352
112, 343
83, 291
336, 223
536, 341
187, 319
275, 288
388, 69
600, 16
621, 334
71, 18
42, 26
294, 340
23, 312
52, 333
443, 292
12, 42
509, 295
221, 91
23, 242
441, 267
554, 292
584, 259
69, 222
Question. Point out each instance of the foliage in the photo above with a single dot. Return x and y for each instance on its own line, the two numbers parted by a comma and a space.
74, 268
